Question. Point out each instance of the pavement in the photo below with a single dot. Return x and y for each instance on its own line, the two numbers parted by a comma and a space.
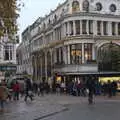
63, 107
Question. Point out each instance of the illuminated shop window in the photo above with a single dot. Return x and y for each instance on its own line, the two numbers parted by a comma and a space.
76, 54
88, 51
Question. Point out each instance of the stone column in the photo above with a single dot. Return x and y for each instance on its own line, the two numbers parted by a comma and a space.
53, 34
51, 53
46, 76
83, 57
35, 67
80, 27
87, 27
116, 28
65, 30
68, 54
41, 67
70, 29
9, 53
62, 31
94, 27
102, 27
74, 28
93, 52
109, 28
60, 55
65, 54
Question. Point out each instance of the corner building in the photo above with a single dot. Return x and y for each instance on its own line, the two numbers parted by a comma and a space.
68, 41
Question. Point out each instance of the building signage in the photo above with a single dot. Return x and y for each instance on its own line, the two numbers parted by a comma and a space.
8, 68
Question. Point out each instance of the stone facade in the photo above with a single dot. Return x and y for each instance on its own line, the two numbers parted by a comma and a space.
67, 41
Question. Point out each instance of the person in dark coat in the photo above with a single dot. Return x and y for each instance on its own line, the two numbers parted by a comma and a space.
90, 84
114, 88
28, 90
109, 88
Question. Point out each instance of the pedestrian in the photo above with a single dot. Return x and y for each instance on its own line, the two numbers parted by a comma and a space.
41, 89
16, 91
109, 87
114, 88
28, 90
63, 87
90, 84
3, 95
57, 88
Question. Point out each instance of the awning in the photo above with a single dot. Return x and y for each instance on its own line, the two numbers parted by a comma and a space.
93, 73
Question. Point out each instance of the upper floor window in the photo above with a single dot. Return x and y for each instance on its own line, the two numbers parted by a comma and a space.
105, 28
113, 8
90, 27
98, 6
77, 24
118, 28
86, 5
75, 6
113, 28
99, 27
55, 17
84, 22
49, 21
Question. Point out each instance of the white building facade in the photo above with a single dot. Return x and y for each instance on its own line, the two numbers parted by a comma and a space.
7, 58
66, 42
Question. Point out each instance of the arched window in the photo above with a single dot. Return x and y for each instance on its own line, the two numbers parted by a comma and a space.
113, 8
75, 6
85, 5
98, 6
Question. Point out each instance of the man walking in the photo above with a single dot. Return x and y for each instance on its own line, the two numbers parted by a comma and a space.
91, 87
28, 90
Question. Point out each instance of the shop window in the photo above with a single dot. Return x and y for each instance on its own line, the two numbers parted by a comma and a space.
87, 52
76, 54
75, 6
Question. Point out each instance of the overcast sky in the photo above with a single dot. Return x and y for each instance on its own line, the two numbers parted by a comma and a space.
34, 9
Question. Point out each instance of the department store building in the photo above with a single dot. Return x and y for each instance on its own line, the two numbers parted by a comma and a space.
69, 40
